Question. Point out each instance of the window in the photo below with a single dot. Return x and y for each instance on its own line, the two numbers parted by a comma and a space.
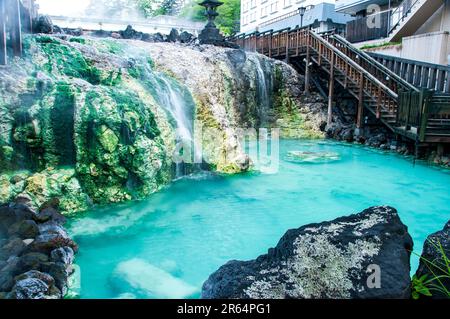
287, 3
273, 7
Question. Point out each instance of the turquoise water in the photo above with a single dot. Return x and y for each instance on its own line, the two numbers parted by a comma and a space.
167, 245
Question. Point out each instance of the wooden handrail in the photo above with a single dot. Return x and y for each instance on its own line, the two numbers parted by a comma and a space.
355, 65
375, 63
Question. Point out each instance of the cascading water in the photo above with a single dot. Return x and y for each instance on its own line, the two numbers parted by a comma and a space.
264, 88
179, 104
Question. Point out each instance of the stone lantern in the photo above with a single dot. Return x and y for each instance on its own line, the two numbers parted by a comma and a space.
210, 34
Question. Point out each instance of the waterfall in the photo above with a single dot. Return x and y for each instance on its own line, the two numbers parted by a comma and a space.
179, 105
264, 88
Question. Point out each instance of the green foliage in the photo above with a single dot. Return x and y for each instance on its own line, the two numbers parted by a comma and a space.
227, 21
193, 11
381, 45
229, 16
419, 287
440, 270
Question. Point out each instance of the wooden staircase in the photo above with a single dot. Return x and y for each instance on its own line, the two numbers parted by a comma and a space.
376, 88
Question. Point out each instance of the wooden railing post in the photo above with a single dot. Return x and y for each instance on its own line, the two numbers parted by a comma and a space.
319, 58
425, 99
408, 110
360, 102
378, 112
16, 28
3, 54
331, 91
270, 44
287, 47
307, 73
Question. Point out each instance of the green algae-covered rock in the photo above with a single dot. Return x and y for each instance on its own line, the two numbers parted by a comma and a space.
81, 126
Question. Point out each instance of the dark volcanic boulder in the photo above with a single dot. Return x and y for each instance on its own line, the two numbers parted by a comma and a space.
24, 229
185, 37
49, 241
50, 214
63, 255
49, 281
432, 259
29, 288
173, 35
130, 33
44, 24
13, 247
365, 255
31, 261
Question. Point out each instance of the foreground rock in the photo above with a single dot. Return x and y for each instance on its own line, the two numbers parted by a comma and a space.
337, 259
432, 261
36, 254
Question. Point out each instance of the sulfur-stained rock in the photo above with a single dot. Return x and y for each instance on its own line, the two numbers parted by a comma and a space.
365, 255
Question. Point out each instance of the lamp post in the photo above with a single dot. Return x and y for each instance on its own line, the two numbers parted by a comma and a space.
301, 11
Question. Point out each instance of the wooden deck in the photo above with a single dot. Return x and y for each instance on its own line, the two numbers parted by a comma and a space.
419, 114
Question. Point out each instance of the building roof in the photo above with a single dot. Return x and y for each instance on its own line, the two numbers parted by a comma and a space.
322, 12
354, 6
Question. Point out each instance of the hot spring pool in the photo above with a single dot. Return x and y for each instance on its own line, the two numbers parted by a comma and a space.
167, 245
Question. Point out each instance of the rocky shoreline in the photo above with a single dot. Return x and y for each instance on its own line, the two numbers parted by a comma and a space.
36, 253
361, 256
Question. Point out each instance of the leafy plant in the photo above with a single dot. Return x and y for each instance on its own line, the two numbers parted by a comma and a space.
440, 270
380, 45
419, 287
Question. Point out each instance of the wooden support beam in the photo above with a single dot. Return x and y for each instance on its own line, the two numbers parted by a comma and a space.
16, 28
425, 97
307, 72
3, 54
359, 116
378, 112
320, 54
331, 91
270, 44
287, 47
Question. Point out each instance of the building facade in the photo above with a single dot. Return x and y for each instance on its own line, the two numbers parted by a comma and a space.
259, 15
410, 26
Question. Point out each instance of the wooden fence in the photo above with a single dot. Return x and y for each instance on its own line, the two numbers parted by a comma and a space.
420, 74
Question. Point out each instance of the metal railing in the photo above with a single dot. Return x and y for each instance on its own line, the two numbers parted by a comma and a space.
400, 13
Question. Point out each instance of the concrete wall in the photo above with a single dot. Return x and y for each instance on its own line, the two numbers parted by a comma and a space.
430, 47
439, 21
